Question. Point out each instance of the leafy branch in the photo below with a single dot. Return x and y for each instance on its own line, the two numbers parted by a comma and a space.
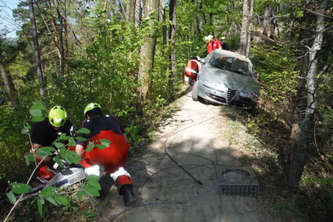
58, 150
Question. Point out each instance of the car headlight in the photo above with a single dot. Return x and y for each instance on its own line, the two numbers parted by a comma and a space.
215, 85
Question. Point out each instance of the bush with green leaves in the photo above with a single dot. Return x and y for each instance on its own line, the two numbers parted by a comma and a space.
58, 150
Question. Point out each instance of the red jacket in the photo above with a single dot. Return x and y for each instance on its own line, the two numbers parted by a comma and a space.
213, 44
192, 69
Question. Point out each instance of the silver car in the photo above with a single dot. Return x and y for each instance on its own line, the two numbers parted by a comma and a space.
227, 78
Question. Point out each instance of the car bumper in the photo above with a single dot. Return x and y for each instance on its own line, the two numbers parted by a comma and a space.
230, 97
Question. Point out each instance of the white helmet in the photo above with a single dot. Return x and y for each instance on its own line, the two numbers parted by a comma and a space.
210, 37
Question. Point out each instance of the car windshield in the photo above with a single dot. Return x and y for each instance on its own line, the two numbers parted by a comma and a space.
230, 63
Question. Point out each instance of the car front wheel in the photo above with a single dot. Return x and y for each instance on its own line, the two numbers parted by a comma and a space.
195, 92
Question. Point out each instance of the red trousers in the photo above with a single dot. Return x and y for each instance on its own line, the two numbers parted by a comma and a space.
112, 157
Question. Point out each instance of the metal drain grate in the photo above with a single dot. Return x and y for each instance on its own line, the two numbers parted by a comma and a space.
237, 181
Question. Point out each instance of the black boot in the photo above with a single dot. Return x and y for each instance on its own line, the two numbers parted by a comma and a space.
127, 192
106, 182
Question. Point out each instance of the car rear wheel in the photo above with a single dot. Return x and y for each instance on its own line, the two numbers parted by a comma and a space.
195, 92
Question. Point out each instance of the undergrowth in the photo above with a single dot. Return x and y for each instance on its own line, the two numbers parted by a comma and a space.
261, 148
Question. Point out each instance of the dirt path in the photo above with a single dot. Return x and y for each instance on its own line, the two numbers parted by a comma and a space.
193, 137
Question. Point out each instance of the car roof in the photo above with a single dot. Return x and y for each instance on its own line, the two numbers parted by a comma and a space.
232, 54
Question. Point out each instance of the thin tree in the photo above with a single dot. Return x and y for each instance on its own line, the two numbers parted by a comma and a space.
66, 38
130, 7
297, 100
267, 18
61, 42
137, 13
195, 19
172, 37
248, 41
147, 52
245, 28
307, 123
162, 19
7, 84
36, 49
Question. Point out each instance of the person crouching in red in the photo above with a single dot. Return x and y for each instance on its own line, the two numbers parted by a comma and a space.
192, 70
113, 157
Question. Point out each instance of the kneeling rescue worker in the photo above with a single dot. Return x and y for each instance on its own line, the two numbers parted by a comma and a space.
113, 157
44, 133
192, 70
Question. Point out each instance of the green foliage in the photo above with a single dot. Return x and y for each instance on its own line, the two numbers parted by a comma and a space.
253, 127
52, 194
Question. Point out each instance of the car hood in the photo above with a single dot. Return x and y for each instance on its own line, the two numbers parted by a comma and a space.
230, 79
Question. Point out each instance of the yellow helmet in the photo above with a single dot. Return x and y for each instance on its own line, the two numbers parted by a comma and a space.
57, 116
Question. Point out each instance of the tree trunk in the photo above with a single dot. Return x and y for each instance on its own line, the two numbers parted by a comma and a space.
298, 100
36, 49
274, 24
147, 53
195, 20
248, 41
66, 39
55, 37
267, 18
61, 42
172, 37
245, 28
162, 19
137, 15
303, 142
7, 84
130, 10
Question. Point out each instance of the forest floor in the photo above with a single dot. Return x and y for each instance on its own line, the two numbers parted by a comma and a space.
204, 140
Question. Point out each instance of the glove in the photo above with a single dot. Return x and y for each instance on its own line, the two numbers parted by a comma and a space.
53, 164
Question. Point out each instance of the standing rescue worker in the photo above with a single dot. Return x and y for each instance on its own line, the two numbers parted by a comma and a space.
224, 44
44, 133
113, 157
212, 44
192, 70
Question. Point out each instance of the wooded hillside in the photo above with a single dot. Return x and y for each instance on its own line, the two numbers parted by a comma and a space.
130, 55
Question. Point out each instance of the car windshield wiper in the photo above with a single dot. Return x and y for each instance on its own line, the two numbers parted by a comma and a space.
237, 71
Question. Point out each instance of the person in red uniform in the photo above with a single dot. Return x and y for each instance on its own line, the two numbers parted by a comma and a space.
112, 157
192, 70
44, 133
212, 44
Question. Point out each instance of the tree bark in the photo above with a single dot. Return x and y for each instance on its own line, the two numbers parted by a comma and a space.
7, 85
172, 37
138, 11
61, 42
303, 142
36, 49
274, 24
195, 20
55, 37
162, 19
248, 41
66, 39
130, 10
245, 28
147, 53
267, 19
298, 100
